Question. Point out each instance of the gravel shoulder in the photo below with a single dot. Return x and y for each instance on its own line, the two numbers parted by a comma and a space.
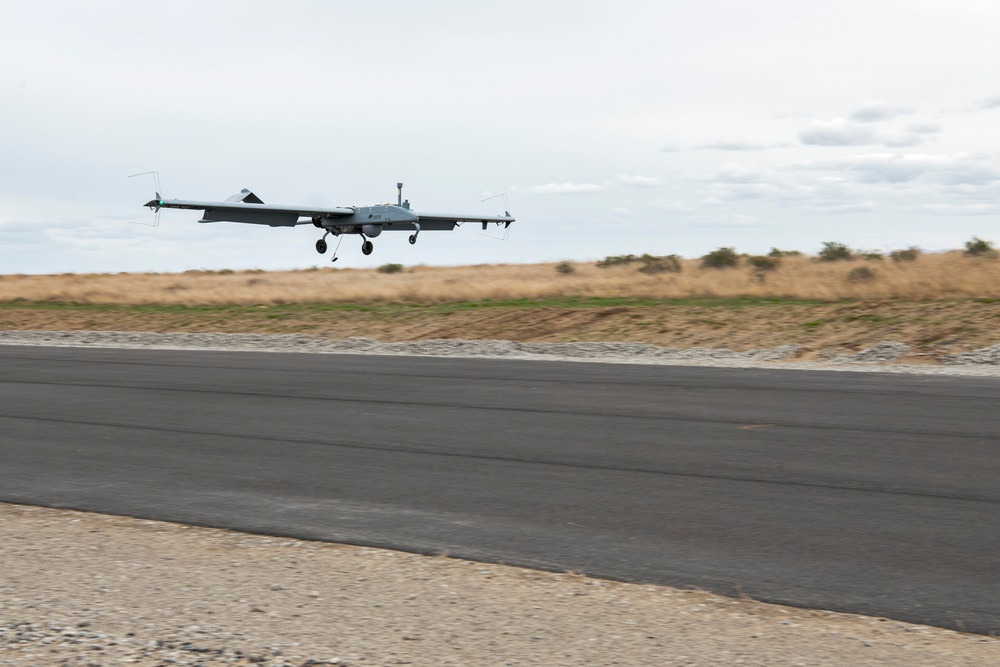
89, 589
884, 357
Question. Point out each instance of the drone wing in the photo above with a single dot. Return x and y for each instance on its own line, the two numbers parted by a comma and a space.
447, 222
247, 207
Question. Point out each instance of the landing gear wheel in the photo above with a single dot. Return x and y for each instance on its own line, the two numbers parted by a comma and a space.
413, 239
321, 246
367, 247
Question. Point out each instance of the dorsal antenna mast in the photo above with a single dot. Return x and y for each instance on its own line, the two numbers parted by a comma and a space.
399, 197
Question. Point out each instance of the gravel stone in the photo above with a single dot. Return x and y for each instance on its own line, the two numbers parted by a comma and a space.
881, 353
985, 355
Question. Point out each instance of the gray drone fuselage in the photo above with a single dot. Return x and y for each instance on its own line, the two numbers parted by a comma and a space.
371, 220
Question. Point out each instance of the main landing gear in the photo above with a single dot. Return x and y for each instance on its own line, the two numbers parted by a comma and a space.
366, 246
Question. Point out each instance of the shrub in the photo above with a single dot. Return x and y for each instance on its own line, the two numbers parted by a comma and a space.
908, 255
872, 255
764, 262
565, 268
835, 252
783, 253
722, 258
617, 260
390, 268
977, 247
665, 264
861, 274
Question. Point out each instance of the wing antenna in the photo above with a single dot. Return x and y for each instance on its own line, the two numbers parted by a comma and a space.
506, 211
506, 203
156, 209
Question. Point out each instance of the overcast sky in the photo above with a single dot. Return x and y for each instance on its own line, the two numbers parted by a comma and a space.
624, 127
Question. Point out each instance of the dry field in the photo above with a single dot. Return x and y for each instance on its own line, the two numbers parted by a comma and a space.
942, 303
930, 277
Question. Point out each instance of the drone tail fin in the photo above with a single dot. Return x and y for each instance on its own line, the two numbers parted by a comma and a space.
246, 197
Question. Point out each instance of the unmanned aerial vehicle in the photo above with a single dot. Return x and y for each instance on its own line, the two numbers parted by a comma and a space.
367, 222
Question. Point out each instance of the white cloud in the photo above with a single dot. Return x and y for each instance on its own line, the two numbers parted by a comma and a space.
564, 189
901, 139
735, 172
869, 125
888, 182
727, 193
955, 208
725, 144
840, 132
673, 206
821, 207
988, 102
959, 169
923, 127
637, 181
733, 145
837, 132
727, 220
735, 182
873, 111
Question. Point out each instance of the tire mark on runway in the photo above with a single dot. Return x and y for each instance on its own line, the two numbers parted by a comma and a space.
500, 408
402, 449
423, 374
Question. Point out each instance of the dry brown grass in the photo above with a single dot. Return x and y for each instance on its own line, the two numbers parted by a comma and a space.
938, 276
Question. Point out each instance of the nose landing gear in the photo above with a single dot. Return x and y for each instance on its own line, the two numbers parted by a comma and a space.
367, 247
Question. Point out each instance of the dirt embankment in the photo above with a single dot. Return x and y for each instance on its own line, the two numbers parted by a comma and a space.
931, 329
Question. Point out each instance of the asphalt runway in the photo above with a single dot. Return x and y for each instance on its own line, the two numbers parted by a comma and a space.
862, 492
